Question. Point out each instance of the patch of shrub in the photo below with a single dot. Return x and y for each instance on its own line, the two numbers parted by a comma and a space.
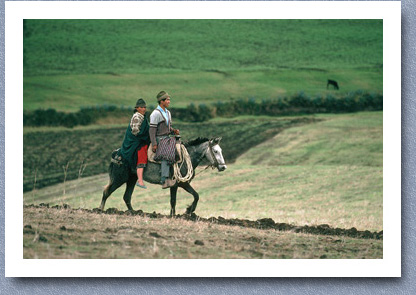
297, 104
85, 116
195, 113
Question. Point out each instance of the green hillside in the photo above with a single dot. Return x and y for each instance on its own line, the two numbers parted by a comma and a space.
69, 150
353, 139
324, 172
137, 46
73, 63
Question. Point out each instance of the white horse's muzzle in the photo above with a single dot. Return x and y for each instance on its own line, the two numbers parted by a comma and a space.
222, 167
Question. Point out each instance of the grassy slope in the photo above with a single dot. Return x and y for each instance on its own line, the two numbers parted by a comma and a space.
47, 150
317, 167
348, 140
73, 63
338, 183
70, 92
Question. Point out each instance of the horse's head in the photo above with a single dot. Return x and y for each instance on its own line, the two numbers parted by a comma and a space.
214, 154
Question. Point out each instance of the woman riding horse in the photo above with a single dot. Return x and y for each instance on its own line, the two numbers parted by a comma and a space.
136, 141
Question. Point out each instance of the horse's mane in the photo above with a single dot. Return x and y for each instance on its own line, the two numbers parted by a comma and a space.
196, 141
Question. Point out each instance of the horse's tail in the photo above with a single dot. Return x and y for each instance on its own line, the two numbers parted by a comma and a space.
110, 177
115, 160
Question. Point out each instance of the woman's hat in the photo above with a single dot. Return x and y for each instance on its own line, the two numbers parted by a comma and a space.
140, 103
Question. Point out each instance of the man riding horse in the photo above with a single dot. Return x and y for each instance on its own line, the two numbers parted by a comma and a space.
162, 137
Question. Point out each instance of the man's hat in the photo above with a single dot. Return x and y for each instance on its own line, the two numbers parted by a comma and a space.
162, 95
140, 103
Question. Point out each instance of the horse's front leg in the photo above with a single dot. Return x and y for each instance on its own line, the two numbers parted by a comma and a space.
173, 191
191, 209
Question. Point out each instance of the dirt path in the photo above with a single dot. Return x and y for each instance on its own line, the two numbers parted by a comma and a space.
60, 232
264, 223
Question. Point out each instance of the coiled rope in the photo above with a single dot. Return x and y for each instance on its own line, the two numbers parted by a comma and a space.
178, 165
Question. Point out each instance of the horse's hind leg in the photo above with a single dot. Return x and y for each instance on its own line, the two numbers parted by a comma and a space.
186, 186
108, 190
173, 191
129, 191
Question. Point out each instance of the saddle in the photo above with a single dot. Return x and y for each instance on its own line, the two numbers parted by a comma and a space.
178, 154
116, 158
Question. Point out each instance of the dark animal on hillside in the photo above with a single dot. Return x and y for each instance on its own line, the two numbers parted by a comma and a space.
198, 150
333, 83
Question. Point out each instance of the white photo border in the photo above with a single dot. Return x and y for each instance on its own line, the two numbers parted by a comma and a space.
388, 266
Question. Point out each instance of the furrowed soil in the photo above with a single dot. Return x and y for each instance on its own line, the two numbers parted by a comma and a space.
61, 232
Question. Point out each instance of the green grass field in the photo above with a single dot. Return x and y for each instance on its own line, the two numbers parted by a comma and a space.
134, 46
70, 92
69, 64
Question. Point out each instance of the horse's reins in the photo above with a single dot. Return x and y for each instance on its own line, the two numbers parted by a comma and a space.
216, 164
177, 174
200, 159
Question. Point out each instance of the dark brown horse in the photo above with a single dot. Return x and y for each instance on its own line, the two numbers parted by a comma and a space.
198, 150
333, 83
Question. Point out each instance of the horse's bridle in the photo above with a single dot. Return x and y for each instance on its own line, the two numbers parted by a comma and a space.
216, 163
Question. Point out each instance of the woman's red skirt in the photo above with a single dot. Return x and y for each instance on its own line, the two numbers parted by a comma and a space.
142, 155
